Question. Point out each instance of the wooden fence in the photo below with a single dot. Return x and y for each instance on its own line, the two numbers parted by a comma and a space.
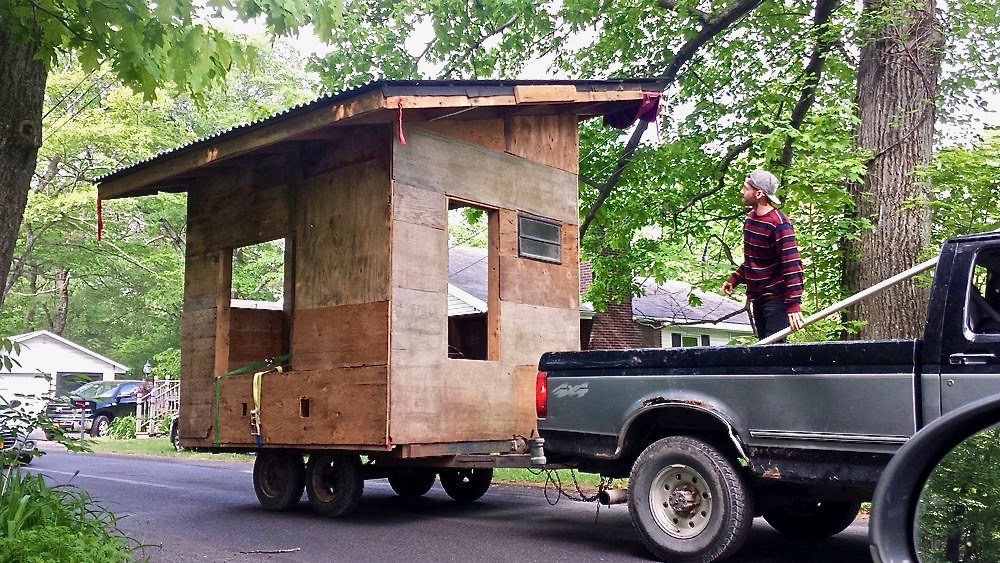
162, 401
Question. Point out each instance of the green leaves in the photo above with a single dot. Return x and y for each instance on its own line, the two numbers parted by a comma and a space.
149, 46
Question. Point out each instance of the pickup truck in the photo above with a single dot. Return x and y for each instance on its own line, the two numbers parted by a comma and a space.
100, 403
711, 437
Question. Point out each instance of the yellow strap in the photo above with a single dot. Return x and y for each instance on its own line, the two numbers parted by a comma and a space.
257, 379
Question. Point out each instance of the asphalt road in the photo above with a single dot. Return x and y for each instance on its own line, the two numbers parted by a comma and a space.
206, 511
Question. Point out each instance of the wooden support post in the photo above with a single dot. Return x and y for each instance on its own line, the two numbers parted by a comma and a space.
223, 293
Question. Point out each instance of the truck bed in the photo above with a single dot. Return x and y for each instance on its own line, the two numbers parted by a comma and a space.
779, 396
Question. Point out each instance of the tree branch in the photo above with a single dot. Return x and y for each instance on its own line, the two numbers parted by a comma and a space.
446, 73
813, 71
712, 28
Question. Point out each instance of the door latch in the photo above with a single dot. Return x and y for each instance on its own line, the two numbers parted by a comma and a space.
970, 359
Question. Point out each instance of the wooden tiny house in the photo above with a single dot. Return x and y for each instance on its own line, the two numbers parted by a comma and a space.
364, 220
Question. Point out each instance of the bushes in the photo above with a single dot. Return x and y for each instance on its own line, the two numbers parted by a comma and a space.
122, 428
42, 523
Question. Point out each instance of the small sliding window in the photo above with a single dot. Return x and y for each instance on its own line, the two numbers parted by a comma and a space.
539, 239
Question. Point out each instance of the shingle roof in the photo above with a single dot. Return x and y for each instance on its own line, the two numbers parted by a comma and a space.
667, 303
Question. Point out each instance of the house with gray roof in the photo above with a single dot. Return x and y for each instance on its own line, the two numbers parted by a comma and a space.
663, 317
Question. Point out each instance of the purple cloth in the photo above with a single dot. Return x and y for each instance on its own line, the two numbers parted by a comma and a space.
644, 110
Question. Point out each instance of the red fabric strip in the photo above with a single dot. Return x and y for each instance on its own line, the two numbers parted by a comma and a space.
402, 139
100, 219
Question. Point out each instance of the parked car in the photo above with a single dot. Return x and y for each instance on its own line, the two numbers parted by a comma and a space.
14, 433
100, 403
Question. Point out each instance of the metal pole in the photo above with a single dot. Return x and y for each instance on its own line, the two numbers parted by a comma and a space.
877, 288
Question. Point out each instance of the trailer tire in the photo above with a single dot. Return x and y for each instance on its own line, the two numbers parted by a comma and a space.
334, 483
813, 520
466, 484
412, 482
688, 502
278, 478
175, 438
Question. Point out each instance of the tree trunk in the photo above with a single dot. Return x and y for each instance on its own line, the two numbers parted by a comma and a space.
62, 291
22, 90
897, 84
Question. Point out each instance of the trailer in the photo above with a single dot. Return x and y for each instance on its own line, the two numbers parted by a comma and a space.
364, 374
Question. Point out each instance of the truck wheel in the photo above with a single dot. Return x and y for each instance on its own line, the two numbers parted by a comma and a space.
412, 482
466, 484
813, 520
101, 426
334, 483
278, 478
688, 502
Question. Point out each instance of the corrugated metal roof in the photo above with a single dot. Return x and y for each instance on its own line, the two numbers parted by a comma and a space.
388, 88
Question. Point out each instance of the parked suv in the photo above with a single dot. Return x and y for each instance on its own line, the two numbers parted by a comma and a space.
100, 401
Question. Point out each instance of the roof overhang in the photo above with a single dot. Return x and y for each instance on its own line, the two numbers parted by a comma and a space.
379, 102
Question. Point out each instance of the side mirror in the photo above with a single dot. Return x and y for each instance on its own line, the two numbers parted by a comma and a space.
939, 497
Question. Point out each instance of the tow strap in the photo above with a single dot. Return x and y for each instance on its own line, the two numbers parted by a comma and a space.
255, 413
254, 368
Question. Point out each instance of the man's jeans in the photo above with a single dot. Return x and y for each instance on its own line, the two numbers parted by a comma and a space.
769, 317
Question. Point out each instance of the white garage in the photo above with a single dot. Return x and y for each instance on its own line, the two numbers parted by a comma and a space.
50, 363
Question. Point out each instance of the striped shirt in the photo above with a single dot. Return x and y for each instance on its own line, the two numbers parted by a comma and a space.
772, 267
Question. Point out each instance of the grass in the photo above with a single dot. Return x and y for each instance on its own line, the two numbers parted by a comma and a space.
62, 523
157, 447
161, 447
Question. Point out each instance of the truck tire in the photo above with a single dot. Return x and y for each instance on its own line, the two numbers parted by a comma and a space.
813, 520
466, 484
412, 482
102, 423
278, 478
688, 502
334, 483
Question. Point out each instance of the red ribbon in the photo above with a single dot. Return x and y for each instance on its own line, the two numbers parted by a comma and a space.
402, 139
100, 219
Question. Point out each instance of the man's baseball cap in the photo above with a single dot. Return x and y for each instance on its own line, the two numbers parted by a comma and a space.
766, 182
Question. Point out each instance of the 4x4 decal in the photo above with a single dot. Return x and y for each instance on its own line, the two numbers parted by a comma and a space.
567, 390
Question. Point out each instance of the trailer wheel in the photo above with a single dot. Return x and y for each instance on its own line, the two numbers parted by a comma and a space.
334, 483
175, 438
413, 482
813, 520
466, 484
688, 502
278, 478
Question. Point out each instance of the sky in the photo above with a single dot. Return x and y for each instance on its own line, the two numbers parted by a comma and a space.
948, 134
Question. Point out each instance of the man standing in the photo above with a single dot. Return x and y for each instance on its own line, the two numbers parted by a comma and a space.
772, 268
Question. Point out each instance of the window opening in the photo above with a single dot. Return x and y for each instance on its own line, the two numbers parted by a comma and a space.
472, 282
539, 239
259, 275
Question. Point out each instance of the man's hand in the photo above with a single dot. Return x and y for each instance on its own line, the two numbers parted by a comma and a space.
727, 288
795, 321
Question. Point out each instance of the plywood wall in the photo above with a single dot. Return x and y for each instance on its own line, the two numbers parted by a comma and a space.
340, 320
218, 210
535, 304
332, 199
